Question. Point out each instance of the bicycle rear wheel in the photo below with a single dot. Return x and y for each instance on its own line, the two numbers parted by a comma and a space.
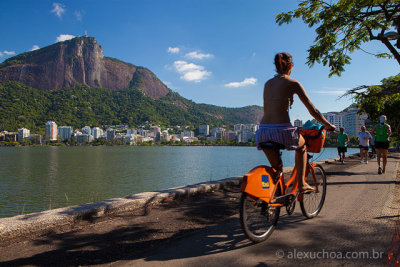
312, 203
257, 218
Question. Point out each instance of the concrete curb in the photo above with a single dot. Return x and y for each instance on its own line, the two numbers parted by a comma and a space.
36, 224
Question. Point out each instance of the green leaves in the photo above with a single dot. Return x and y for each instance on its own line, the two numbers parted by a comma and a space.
380, 99
343, 26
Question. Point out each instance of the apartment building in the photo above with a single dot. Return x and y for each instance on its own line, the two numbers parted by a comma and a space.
97, 132
23, 133
65, 132
335, 119
51, 131
298, 123
204, 130
352, 121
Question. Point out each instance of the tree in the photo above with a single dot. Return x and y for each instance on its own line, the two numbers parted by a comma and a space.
381, 99
343, 25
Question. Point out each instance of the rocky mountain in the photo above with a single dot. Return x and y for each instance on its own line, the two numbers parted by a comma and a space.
74, 83
78, 61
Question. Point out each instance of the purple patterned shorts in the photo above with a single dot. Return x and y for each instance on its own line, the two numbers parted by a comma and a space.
282, 133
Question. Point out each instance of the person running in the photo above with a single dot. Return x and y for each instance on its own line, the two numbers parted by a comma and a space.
364, 137
342, 140
382, 132
275, 125
372, 144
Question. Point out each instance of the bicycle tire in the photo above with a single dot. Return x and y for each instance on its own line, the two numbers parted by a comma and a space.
312, 203
258, 220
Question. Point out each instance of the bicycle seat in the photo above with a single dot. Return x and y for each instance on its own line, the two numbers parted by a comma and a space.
271, 145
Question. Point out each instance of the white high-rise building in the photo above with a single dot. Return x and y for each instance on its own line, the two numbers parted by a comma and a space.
238, 127
335, 119
110, 134
65, 132
204, 130
298, 123
97, 132
189, 134
51, 130
217, 133
86, 130
250, 127
23, 133
352, 121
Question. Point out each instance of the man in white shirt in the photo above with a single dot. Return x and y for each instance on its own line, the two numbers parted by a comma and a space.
364, 137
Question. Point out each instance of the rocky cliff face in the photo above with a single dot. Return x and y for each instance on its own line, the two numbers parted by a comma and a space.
78, 61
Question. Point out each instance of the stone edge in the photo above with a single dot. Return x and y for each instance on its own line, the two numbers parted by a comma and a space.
36, 224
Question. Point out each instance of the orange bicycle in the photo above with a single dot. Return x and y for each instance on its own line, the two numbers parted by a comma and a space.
265, 192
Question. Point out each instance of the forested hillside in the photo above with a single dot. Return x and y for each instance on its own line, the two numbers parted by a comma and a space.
77, 106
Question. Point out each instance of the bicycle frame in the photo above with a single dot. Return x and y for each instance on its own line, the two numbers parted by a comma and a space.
280, 183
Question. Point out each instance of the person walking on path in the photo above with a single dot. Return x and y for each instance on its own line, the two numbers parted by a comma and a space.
364, 137
382, 132
342, 140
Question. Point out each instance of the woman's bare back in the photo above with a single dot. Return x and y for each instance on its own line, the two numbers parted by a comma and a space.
278, 97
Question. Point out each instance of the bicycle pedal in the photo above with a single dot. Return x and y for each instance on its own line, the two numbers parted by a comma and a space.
285, 199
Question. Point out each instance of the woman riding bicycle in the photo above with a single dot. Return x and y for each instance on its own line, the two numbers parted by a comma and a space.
275, 125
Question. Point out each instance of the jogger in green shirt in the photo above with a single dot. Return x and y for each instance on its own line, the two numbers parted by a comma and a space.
342, 141
382, 132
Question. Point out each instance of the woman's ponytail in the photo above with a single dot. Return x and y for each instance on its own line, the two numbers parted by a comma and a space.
283, 62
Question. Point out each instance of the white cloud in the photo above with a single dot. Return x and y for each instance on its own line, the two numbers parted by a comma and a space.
198, 55
64, 37
245, 82
35, 47
191, 72
58, 9
9, 53
173, 50
332, 91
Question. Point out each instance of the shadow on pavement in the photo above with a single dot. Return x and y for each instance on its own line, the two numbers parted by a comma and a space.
142, 234
364, 182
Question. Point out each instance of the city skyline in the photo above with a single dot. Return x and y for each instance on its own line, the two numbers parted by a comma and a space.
350, 120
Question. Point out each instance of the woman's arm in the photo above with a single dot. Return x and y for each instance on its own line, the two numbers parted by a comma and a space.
299, 90
389, 130
373, 130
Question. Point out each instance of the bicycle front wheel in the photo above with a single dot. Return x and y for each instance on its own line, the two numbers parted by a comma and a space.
257, 218
312, 203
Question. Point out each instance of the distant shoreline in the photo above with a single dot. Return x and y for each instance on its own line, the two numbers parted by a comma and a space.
14, 144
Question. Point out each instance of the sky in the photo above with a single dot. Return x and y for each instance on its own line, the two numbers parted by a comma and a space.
216, 52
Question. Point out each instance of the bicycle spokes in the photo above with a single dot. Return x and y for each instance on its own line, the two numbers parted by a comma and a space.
311, 204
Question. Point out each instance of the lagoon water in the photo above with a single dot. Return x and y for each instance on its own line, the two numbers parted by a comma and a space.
39, 178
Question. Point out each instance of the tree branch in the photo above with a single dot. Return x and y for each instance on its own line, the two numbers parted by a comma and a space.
391, 48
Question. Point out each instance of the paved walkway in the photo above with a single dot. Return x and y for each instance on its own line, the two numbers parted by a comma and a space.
355, 225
